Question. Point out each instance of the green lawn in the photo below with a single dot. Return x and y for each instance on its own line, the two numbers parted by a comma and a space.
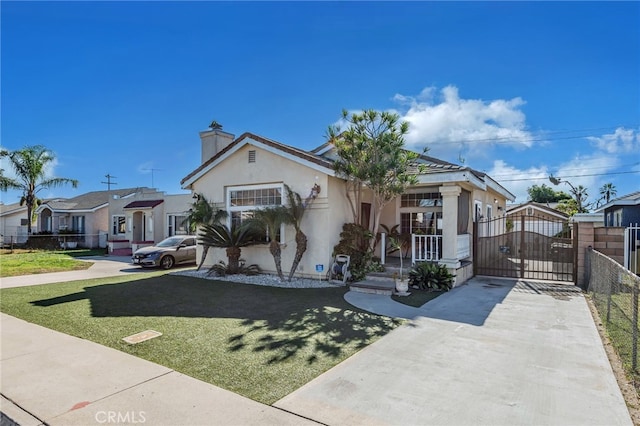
260, 342
27, 262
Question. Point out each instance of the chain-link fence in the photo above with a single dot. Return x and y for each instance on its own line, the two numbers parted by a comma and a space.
614, 291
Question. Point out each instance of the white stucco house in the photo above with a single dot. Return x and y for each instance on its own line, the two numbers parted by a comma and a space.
249, 172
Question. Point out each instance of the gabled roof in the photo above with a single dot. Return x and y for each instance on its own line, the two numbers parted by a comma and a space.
143, 204
90, 201
538, 206
632, 199
295, 154
8, 209
323, 157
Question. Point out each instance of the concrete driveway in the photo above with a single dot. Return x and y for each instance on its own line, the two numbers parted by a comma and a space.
496, 352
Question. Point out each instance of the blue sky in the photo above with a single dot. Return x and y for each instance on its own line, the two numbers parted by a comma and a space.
517, 90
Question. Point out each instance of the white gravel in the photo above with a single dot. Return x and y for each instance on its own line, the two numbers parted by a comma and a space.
262, 279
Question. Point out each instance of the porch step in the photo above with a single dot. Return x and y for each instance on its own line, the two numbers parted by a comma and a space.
374, 286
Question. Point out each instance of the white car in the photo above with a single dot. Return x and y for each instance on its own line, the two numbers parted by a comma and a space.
167, 253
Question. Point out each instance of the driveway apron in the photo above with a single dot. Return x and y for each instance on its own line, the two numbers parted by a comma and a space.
493, 351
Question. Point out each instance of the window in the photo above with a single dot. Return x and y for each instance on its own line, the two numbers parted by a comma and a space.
119, 225
489, 211
477, 208
177, 224
617, 218
242, 201
77, 224
427, 223
422, 199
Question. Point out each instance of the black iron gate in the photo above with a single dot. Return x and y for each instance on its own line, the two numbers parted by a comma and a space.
530, 247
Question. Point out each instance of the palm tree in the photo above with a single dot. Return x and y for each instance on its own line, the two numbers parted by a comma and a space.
296, 210
232, 238
272, 219
202, 213
608, 191
30, 165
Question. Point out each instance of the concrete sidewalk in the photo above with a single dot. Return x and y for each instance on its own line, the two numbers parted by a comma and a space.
492, 351
50, 377
103, 266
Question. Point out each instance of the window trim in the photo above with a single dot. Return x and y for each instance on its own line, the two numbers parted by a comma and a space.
114, 225
232, 209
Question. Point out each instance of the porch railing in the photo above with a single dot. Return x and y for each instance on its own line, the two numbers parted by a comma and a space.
426, 248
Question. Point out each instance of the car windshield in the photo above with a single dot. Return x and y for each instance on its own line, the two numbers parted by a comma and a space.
170, 242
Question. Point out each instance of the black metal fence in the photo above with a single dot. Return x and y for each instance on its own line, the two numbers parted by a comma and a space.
614, 291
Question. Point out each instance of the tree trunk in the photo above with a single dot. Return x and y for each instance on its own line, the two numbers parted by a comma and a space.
276, 252
233, 255
205, 250
301, 247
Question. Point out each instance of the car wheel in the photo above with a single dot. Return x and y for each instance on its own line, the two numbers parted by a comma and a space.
167, 262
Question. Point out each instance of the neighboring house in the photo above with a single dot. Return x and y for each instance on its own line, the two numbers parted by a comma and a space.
537, 217
13, 223
146, 217
623, 211
86, 215
248, 173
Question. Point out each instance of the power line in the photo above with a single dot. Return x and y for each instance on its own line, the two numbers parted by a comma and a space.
537, 138
571, 176
581, 168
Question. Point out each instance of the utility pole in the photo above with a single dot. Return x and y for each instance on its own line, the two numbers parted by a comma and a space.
108, 182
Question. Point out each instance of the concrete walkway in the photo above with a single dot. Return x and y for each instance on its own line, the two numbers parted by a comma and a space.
490, 352
103, 266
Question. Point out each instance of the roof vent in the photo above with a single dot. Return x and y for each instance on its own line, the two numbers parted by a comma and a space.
252, 156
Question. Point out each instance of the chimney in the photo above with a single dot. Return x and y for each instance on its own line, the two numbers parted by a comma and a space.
214, 140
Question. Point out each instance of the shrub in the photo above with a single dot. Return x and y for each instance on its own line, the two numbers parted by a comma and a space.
431, 276
354, 242
43, 241
221, 269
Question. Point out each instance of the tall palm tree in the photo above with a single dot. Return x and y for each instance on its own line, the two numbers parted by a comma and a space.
30, 166
607, 192
272, 219
296, 209
232, 238
203, 213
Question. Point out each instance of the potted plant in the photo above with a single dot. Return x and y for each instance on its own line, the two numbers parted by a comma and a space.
402, 285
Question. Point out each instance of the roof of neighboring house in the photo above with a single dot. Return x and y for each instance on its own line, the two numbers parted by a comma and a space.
544, 208
143, 204
7, 209
632, 199
87, 202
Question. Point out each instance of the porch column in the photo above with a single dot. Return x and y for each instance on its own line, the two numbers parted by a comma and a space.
450, 195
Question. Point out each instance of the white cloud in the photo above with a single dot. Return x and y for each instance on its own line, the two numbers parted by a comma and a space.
619, 142
585, 170
450, 125
518, 180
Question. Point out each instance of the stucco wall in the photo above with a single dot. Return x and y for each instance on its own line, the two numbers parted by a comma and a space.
322, 222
